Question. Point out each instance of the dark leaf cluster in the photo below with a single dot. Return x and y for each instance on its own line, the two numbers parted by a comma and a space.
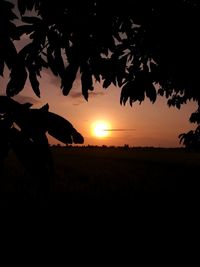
191, 139
24, 130
132, 44
144, 47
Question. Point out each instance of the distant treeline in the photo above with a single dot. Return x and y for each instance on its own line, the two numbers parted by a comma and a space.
125, 146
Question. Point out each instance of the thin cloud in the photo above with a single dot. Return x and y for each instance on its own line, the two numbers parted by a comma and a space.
75, 95
91, 94
78, 103
118, 130
94, 94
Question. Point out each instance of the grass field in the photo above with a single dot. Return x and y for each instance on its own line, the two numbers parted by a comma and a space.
97, 171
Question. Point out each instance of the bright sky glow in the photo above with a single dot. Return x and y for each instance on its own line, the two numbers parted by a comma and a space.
99, 129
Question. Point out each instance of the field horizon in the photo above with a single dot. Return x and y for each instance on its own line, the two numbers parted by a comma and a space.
98, 171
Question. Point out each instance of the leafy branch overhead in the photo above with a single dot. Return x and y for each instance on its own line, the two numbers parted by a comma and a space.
132, 44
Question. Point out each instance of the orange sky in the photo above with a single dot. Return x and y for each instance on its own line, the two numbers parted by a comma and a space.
153, 124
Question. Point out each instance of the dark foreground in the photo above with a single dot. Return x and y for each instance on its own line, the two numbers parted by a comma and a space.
109, 172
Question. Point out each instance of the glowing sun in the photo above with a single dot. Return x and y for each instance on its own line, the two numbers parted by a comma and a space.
100, 129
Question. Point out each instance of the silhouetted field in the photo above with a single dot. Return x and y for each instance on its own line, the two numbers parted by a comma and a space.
98, 172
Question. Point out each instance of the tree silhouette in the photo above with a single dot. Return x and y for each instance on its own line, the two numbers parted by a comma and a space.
144, 47
22, 128
132, 44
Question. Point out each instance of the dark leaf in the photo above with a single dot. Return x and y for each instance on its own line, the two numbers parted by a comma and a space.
7, 104
30, 4
62, 130
54, 39
10, 53
51, 62
181, 137
42, 62
120, 80
34, 82
12, 30
197, 131
69, 77
59, 62
78, 138
33, 122
151, 92
18, 78
6, 8
22, 6
126, 92
161, 92
86, 79
1, 66
27, 105
178, 105
29, 50
131, 100
85, 94
97, 77
32, 20
169, 102
25, 29
45, 108
106, 83
195, 117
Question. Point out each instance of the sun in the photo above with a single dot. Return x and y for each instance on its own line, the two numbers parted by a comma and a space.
100, 129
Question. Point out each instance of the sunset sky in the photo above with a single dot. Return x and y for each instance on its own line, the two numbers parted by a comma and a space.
141, 125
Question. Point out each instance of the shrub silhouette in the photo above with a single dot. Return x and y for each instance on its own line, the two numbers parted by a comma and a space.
23, 129
191, 139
